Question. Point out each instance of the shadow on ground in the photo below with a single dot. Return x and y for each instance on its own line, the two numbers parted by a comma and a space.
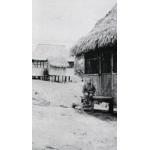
103, 115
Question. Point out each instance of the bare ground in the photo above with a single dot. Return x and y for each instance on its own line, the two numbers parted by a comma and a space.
57, 126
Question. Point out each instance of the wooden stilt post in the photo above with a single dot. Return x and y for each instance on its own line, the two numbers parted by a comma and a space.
111, 106
62, 79
58, 78
69, 78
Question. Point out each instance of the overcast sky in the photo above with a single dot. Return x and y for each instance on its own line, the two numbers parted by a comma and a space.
65, 21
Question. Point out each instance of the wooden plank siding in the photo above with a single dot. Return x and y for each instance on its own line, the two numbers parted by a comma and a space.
96, 81
106, 84
114, 89
105, 79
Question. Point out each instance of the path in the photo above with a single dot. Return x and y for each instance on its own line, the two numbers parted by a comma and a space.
57, 126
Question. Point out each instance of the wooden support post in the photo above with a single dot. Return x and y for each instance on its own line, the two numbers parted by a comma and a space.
65, 79
69, 78
62, 79
58, 78
111, 106
112, 74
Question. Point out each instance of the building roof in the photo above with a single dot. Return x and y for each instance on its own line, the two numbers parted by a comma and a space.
53, 53
70, 59
44, 51
58, 62
104, 34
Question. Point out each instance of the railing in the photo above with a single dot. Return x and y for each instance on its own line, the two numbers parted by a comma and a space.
54, 78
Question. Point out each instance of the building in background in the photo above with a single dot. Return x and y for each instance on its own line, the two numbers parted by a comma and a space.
49, 63
39, 68
57, 67
70, 68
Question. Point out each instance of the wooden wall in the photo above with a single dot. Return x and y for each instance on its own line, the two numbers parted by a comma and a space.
106, 84
96, 81
105, 79
114, 87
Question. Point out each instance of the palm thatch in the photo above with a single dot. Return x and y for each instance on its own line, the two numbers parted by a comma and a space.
104, 34
58, 62
52, 53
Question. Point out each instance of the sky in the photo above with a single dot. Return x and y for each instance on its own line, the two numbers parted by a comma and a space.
65, 21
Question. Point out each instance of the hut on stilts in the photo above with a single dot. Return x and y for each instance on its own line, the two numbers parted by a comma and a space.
46, 66
70, 68
99, 51
57, 69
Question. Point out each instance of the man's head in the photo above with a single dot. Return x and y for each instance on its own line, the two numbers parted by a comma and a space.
89, 81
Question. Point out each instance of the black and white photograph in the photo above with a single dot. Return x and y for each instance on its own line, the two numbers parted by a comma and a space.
90, 75
74, 75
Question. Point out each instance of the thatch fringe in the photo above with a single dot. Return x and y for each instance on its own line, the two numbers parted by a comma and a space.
52, 53
104, 34
58, 62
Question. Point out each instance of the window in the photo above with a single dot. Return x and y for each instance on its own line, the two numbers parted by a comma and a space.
106, 62
92, 66
101, 63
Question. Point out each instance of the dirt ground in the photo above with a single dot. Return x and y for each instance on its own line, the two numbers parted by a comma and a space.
57, 126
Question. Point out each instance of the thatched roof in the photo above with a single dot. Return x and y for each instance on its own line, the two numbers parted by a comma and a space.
104, 34
52, 53
58, 62
71, 59
43, 51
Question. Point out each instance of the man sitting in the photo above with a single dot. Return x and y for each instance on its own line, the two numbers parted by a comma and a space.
88, 92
